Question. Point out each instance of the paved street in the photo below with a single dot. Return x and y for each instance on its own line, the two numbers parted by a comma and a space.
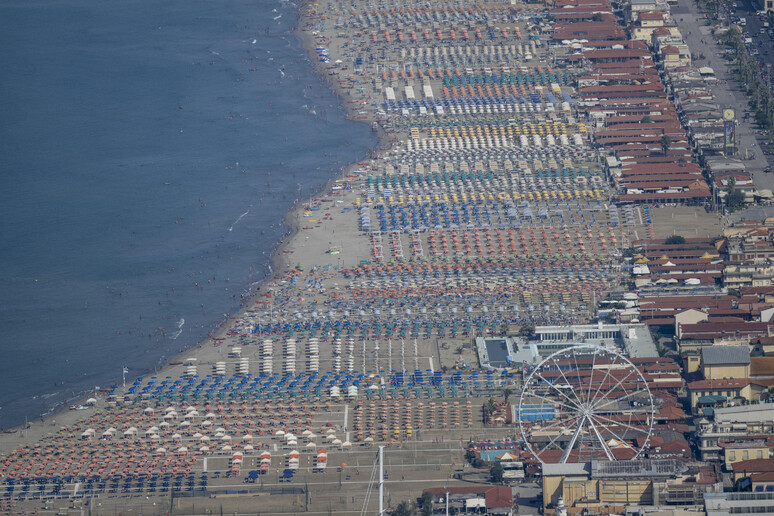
530, 498
727, 92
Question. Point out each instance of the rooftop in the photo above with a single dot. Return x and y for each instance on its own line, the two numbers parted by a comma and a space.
636, 468
745, 414
570, 468
725, 355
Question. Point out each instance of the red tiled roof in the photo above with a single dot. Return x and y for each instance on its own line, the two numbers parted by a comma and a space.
670, 413
616, 53
753, 466
652, 15
731, 383
746, 328
661, 169
763, 366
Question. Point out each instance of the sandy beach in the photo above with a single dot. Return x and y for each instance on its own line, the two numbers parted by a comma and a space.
448, 231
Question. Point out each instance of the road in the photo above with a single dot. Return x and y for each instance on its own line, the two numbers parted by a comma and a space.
727, 92
530, 498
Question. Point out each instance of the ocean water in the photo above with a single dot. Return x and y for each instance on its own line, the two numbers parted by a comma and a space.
148, 154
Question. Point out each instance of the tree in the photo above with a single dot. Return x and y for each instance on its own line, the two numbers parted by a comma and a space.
427, 504
735, 198
507, 394
496, 473
491, 405
674, 240
526, 330
646, 120
404, 508
665, 142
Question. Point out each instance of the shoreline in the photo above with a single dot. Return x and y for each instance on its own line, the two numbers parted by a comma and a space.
279, 262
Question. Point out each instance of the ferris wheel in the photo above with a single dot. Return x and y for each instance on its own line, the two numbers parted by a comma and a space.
585, 402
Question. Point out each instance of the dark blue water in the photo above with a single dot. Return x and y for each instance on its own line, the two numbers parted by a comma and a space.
145, 147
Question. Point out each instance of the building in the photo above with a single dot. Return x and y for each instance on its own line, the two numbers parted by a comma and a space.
728, 424
497, 352
726, 504
719, 362
693, 337
746, 468
742, 275
633, 339
610, 486
484, 499
736, 451
722, 392
675, 55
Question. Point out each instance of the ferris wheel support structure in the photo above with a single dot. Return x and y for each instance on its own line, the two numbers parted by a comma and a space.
592, 394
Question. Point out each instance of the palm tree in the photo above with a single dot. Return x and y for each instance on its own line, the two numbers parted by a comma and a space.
491, 405
665, 142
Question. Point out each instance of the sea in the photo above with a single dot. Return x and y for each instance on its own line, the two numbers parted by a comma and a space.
149, 152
